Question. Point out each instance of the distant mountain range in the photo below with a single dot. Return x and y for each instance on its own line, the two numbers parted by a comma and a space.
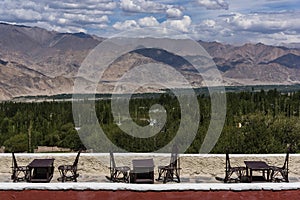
34, 61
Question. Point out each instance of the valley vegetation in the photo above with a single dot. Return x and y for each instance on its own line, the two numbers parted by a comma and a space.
256, 122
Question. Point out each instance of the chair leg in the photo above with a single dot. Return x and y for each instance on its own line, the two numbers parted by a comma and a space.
239, 174
165, 176
160, 172
14, 176
115, 175
285, 176
165, 180
62, 177
15, 179
125, 177
171, 175
177, 176
168, 176
227, 176
272, 176
27, 174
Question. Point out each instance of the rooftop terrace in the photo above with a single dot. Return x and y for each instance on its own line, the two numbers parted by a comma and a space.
198, 175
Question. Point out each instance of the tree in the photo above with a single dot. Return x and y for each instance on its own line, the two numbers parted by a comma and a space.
17, 143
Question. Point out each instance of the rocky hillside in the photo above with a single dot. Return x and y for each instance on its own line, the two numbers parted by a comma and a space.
34, 61
256, 63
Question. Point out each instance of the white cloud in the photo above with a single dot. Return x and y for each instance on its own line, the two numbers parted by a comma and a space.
58, 27
148, 22
147, 6
209, 29
268, 28
214, 4
81, 18
182, 25
19, 15
271, 21
82, 5
58, 15
128, 24
265, 22
29, 15
31, 5
173, 13
209, 23
129, 5
142, 6
69, 29
63, 21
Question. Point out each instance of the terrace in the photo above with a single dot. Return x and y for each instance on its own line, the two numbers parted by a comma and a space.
197, 176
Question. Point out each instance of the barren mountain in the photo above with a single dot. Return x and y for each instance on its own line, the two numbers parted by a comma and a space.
34, 61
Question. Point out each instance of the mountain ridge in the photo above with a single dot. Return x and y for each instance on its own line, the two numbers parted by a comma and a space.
35, 61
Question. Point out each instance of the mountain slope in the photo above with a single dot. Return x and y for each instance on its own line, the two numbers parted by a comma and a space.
34, 61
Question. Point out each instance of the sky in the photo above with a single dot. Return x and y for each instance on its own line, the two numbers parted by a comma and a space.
273, 22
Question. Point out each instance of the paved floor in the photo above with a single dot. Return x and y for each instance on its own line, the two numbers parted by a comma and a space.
101, 179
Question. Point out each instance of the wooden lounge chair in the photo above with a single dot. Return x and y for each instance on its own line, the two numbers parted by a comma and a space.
117, 174
239, 171
19, 173
281, 174
170, 172
69, 172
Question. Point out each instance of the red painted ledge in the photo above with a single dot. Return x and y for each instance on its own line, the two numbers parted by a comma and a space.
123, 191
145, 195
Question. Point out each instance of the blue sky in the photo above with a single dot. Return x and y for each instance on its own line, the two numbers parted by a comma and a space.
273, 22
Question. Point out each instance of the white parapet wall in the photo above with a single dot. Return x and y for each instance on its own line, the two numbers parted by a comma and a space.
152, 187
93, 167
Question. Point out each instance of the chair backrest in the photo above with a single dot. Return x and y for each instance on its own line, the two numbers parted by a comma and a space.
286, 161
174, 156
77, 158
112, 160
227, 166
14, 161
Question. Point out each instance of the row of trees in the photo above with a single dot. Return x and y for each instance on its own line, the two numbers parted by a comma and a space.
256, 122
24, 126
